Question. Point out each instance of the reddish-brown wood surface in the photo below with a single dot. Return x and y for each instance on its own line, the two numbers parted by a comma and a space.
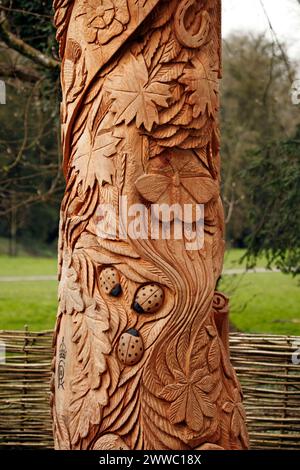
141, 338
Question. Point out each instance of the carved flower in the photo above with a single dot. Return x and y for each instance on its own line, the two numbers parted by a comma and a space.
238, 416
189, 399
105, 19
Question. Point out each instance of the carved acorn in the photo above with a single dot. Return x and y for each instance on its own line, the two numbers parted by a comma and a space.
148, 299
131, 347
110, 281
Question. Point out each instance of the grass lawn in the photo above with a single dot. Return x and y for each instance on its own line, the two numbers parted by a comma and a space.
264, 303
260, 303
28, 303
232, 260
27, 266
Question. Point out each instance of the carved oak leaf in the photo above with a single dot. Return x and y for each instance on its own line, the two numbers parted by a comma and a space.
91, 380
190, 402
135, 97
85, 408
91, 159
69, 292
202, 81
90, 336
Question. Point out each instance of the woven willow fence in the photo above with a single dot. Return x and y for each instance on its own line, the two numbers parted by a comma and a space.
270, 381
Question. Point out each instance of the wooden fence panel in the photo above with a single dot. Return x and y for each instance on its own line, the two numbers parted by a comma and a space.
269, 377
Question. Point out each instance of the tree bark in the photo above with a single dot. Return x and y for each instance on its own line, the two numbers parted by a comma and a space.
142, 358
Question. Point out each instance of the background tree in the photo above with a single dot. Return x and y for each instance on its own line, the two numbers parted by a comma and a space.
272, 182
256, 110
258, 126
30, 176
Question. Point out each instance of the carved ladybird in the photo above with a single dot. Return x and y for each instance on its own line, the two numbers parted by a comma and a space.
148, 299
110, 281
130, 348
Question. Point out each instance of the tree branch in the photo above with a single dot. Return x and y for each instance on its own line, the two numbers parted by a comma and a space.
23, 48
19, 73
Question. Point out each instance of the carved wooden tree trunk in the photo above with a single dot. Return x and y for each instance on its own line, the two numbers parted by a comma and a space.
142, 358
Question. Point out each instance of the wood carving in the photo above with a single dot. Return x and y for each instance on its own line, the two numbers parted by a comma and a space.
142, 359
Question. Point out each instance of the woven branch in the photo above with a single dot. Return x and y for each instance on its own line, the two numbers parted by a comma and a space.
270, 382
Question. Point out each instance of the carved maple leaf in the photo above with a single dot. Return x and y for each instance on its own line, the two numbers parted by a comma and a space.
135, 97
202, 81
91, 159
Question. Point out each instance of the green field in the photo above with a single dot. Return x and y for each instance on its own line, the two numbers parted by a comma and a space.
260, 302
264, 303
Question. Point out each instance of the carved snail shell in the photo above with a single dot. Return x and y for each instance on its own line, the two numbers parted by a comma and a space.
130, 348
110, 282
148, 299
185, 36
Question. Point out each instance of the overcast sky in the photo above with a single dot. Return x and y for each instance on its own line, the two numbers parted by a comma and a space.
248, 15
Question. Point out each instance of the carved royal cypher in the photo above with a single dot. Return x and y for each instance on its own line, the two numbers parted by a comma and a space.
142, 359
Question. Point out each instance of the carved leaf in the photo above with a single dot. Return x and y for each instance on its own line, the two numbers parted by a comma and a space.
169, 72
184, 116
91, 375
88, 272
110, 442
214, 355
202, 81
62, 438
85, 409
228, 407
91, 160
172, 392
63, 10
69, 292
194, 414
152, 46
235, 423
177, 410
171, 112
92, 342
206, 384
171, 51
175, 140
135, 97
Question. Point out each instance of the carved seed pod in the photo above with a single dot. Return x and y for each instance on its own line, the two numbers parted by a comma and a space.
73, 51
130, 348
110, 281
148, 299
72, 56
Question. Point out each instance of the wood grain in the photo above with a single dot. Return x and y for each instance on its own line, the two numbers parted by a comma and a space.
144, 334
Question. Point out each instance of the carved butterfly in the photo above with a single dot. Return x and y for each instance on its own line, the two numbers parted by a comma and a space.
180, 181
